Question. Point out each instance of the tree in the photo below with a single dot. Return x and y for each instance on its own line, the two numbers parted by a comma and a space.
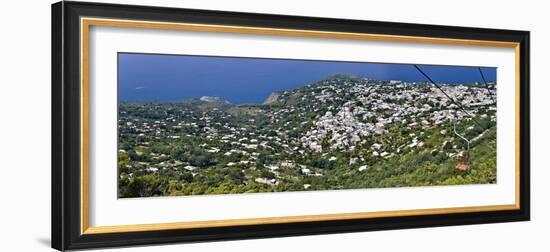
123, 161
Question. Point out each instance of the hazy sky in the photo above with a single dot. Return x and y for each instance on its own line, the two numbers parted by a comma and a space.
145, 77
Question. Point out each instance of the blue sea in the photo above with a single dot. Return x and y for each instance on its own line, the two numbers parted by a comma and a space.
155, 77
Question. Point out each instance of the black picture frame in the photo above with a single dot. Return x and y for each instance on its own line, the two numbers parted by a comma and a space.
66, 156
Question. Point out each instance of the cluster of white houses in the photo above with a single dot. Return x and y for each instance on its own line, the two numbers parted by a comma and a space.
374, 107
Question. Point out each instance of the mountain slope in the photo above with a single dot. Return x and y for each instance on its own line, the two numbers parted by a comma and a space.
337, 133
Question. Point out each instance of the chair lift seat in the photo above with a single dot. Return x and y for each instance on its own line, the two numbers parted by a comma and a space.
462, 165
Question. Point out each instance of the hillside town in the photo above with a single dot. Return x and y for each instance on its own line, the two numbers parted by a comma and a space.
342, 132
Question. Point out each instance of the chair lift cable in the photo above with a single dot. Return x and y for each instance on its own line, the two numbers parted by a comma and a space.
486, 85
449, 97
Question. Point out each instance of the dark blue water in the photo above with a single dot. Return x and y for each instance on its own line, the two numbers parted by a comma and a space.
144, 77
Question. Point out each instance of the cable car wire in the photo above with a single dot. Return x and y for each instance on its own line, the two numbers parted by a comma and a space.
486, 85
445, 93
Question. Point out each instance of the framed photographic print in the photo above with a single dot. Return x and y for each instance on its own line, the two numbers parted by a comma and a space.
179, 125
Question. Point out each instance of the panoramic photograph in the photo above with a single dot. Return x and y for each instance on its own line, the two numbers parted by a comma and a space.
200, 125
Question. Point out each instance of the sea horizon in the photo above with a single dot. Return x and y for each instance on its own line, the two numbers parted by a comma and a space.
173, 78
